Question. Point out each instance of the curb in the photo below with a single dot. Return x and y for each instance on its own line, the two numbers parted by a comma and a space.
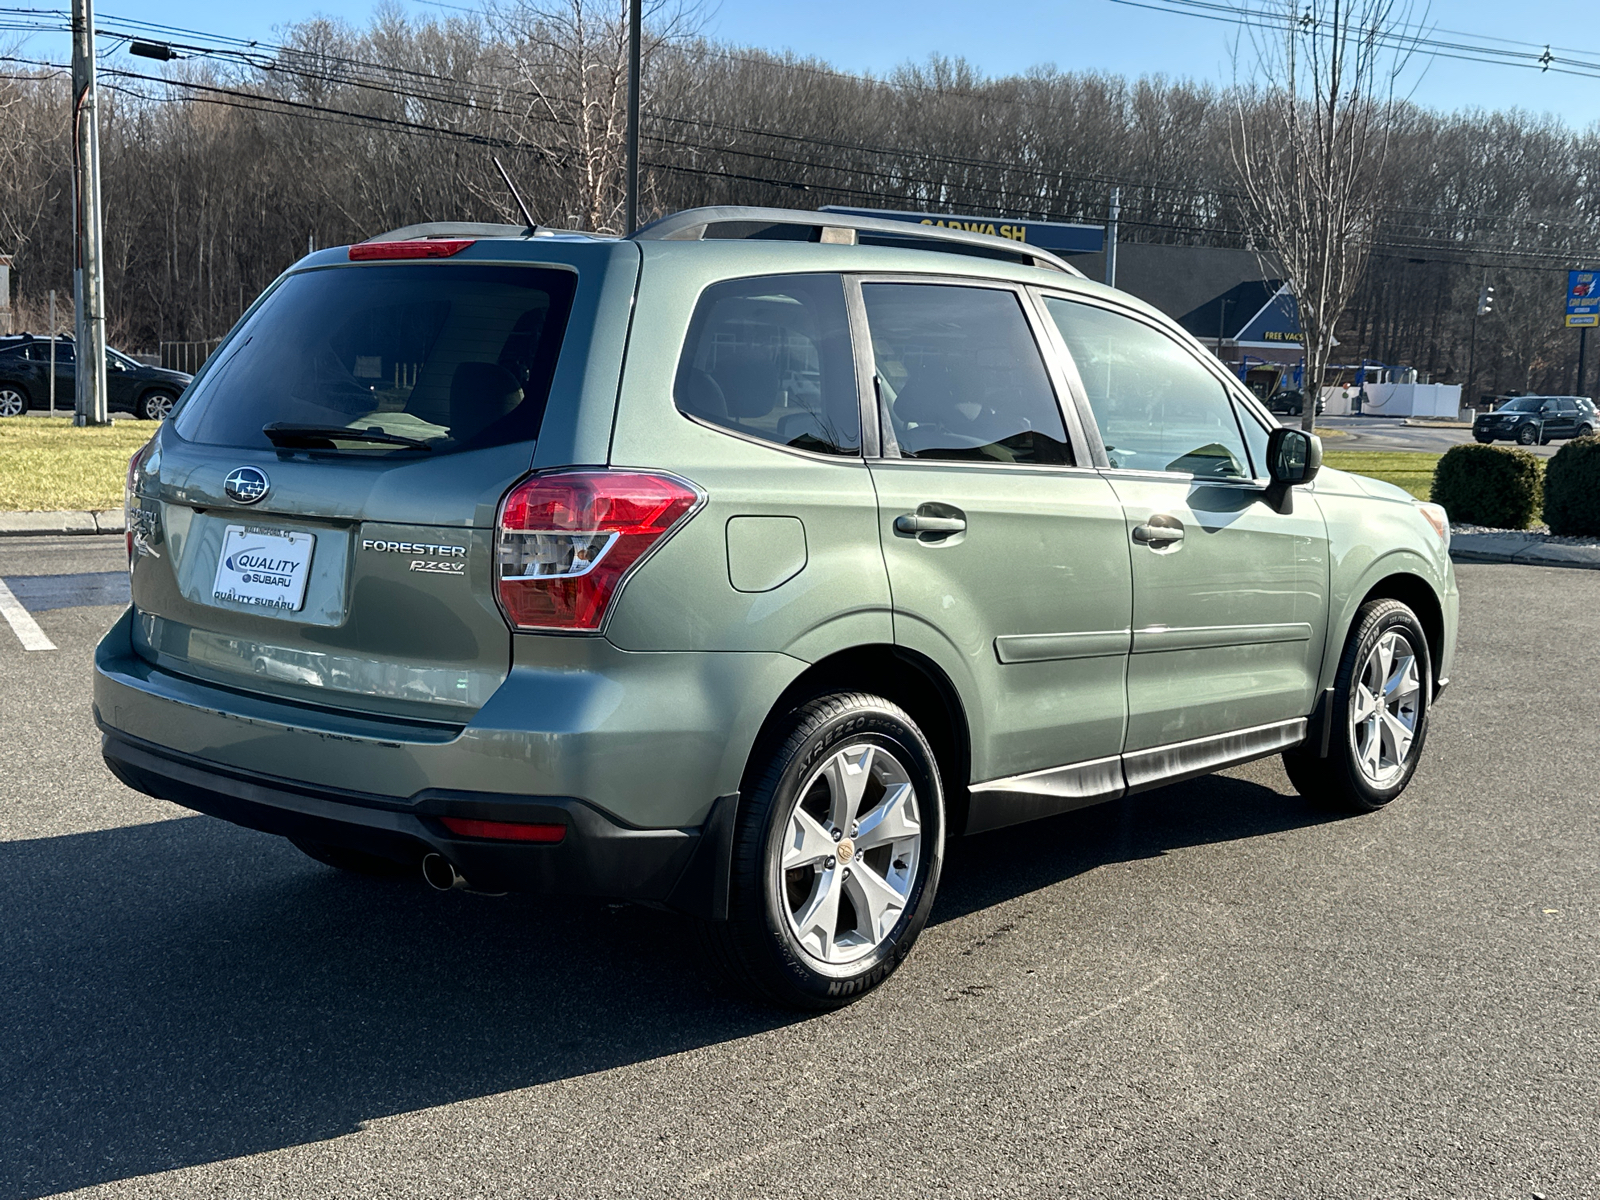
1523, 551
36, 524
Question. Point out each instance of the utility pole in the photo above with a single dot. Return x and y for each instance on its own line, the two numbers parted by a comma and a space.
630, 215
1111, 237
1484, 307
88, 275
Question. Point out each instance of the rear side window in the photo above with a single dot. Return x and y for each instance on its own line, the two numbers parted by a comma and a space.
960, 377
770, 358
451, 356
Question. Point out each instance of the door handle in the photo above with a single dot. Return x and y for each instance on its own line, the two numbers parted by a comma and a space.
1159, 531
914, 523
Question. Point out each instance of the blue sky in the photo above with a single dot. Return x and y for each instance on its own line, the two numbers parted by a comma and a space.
1072, 34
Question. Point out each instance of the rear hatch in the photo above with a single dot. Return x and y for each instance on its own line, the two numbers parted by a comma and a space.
317, 520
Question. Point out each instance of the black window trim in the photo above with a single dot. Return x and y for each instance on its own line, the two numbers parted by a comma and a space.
1244, 401
1036, 320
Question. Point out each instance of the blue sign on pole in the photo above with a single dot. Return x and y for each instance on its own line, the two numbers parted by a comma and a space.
1058, 236
1583, 299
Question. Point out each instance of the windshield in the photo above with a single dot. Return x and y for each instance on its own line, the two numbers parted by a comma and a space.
453, 356
1524, 404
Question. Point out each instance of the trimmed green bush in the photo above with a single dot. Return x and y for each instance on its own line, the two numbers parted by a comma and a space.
1572, 489
1489, 485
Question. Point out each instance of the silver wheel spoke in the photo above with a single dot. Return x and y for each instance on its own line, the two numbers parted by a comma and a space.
878, 905
819, 917
1366, 703
808, 841
847, 774
893, 820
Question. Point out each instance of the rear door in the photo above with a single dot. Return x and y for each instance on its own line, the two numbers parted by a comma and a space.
1229, 595
1007, 560
320, 511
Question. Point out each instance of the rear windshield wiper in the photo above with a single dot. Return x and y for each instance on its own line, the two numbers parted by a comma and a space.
323, 437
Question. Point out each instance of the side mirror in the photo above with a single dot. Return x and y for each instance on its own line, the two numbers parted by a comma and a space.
1293, 456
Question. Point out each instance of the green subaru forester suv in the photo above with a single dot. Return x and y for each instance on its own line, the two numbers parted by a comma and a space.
735, 566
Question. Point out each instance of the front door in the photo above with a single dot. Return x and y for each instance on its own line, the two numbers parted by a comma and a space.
1230, 595
1008, 564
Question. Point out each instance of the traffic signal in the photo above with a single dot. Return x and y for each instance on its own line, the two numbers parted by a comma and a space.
1485, 300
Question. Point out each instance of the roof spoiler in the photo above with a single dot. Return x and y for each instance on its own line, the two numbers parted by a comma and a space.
788, 224
453, 229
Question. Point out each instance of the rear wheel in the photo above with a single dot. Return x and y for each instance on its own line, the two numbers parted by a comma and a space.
13, 402
357, 862
1379, 713
156, 406
836, 857
1585, 431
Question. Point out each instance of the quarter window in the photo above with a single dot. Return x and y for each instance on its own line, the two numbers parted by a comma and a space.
1157, 408
959, 375
771, 358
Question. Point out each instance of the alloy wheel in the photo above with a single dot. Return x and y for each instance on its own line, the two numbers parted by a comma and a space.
850, 852
158, 406
12, 403
1387, 705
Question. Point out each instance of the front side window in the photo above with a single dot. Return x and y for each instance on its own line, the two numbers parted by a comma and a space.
770, 358
960, 377
1157, 408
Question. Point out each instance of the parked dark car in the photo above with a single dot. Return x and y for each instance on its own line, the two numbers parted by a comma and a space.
1529, 419
1291, 401
147, 392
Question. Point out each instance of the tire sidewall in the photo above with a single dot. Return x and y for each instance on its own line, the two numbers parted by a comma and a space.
146, 400
880, 725
1394, 616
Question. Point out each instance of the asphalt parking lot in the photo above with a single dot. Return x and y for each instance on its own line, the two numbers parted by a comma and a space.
1208, 990
1389, 433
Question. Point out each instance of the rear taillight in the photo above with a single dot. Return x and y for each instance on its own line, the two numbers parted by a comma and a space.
420, 248
130, 486
567, 540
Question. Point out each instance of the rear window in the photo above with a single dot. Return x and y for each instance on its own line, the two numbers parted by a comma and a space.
402, 358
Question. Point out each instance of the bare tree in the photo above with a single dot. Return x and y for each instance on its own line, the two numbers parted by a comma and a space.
569, 58
1311, 144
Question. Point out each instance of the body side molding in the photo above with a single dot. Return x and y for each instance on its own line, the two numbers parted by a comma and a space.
1047, 647
1028, 797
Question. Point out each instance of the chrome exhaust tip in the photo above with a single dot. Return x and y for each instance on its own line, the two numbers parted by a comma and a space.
441, 873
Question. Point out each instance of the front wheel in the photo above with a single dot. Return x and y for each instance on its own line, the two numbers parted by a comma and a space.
1379, 710
836, 856
1526, 436
156, 406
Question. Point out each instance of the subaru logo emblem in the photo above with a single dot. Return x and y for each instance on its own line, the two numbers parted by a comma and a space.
246, 484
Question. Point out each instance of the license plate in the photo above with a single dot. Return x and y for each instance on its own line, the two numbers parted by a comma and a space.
266, 568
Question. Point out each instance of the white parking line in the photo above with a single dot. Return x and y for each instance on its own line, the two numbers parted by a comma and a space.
22, 622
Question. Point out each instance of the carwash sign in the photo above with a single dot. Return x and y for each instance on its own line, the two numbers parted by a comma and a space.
1059, 236
1583, 299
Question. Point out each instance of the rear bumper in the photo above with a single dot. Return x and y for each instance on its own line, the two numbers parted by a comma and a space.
598, 856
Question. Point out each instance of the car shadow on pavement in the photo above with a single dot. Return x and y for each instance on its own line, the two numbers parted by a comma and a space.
188, 991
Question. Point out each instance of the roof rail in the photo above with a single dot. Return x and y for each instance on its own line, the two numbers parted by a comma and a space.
452, 229
788, 224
